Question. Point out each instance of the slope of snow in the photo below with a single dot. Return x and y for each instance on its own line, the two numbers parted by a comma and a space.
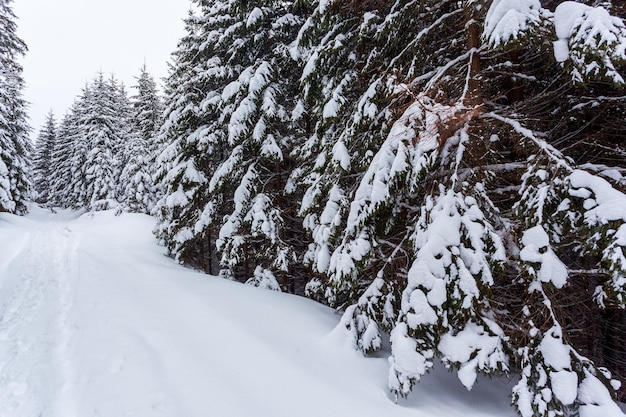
96, 321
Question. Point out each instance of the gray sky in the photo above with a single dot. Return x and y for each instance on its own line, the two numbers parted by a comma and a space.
70, 40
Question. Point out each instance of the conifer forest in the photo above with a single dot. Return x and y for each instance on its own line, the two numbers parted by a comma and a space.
449, 175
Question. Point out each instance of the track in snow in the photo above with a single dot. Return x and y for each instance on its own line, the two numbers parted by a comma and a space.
35, 324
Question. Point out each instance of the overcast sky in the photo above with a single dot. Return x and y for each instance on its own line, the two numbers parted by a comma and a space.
70, 40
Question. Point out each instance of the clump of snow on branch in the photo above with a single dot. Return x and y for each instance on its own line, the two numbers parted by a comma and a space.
592, 40
360, 320
548, 383
508, 20
264, 278
606, 213
537, 250
264, 219
476, 349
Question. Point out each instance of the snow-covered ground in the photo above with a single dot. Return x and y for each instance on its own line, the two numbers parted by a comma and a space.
96, 321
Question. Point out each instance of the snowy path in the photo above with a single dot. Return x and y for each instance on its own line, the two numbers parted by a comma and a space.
96, 322
35, 322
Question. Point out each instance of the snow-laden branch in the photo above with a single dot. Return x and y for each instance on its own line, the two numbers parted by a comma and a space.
554, 154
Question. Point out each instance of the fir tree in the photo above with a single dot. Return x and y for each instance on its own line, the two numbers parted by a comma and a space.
229, 144
69, 157
123, 125
42, 164
137, 176
182, 155
60, 163
256, 107
102, 136
15, 147
147, 110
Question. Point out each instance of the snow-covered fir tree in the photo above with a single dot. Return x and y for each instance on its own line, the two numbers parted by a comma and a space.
123, 124
139, 193
42, 161
229, 143
102, 137
15, 146
67, 160
147, 109
182, 157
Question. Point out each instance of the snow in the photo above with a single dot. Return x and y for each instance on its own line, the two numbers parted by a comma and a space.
405, 359
324, 226
310, 66
298, 111
584, 31
227, 167
260, 78
367, 109
422, 313
331, 109
608, 205
264, 278
270, 148
564, 386
231, 90
337, 100
255, 15
263, 218
537, 250
341, 155
507, 19
177, 198
96, 321
596, 400
555, 352
474, 348
323, 4
566, 16
237, 125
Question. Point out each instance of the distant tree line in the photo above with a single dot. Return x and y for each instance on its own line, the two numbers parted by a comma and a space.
101, 156
449, 174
